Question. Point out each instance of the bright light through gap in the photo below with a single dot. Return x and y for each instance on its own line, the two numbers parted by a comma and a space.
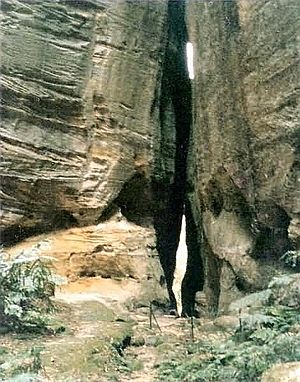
190, 59
181, 261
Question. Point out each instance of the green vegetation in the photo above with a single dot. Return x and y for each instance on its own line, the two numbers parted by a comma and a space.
268, 336
26, 288
93, 337
21, 365
88, 339
90, 348
292, 259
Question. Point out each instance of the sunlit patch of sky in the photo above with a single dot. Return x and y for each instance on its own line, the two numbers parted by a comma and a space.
190, 59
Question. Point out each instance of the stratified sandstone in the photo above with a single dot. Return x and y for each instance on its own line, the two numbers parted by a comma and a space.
79, 80
244, 161
78, 128
115, 249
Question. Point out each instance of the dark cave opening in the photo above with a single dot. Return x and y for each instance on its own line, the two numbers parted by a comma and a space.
170, 192
135, 200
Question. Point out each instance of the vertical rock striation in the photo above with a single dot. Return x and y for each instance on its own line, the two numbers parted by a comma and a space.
244, 157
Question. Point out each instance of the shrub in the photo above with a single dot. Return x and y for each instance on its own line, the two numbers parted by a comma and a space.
292, 259
255, 347
26, 287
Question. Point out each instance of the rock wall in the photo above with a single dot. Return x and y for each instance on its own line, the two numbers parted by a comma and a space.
79, 80
115, 249
96, 120
244, 156
80, 119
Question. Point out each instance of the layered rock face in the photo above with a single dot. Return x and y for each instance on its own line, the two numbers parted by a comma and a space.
115, 249
78, 85
101, 125
79, 119
244, 159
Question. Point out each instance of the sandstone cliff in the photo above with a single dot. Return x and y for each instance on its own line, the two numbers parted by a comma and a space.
78, 85
100, 121
244, 154
79, 119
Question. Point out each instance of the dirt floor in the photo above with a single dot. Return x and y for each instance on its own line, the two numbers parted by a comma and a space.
96, 338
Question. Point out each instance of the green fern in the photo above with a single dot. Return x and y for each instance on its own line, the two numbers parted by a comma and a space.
262, 340
26, 288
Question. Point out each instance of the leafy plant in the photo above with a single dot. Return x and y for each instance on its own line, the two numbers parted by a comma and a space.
26, 287
292, 259
21, 366
262, 340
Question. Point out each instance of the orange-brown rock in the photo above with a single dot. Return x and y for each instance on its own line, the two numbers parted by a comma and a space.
283, 372
80, 131
114, 249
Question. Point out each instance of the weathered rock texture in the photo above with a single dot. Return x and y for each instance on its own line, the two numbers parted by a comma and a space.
96, 120
79, 81
96, 117
79, 123
244, 157
283, 372
115, 249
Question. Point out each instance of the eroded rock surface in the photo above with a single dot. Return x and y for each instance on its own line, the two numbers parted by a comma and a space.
244, 158
79, 126
115, 249
96, 120
79, 81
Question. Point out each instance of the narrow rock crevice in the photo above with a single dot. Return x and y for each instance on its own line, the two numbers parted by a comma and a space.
169, 184
193, 280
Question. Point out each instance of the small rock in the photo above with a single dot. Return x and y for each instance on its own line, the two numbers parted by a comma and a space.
142, 310
295, 329
227, 322
286, 290
4, 330
154, 341
251, 301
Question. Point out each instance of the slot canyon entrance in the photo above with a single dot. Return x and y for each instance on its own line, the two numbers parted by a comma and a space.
188, 273
173, 214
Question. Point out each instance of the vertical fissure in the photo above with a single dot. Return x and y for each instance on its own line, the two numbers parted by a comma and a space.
175, 112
